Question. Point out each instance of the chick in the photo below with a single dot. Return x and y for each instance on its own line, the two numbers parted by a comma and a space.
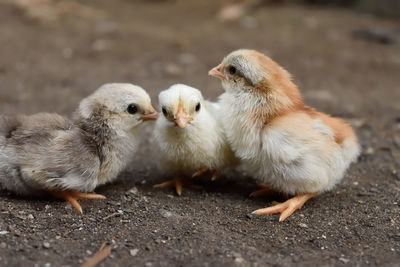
50, 154
189, 139
292, 148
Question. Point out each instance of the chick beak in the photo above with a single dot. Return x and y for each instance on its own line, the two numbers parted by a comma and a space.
181, 118
217, 72
150, 114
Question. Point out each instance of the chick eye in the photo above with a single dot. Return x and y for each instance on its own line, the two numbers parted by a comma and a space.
232, 70
198, 107
164, 111
132, 109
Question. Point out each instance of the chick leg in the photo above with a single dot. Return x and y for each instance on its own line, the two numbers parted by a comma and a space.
72, 197
178, 182
264, 190
286, 208
215, 175
199, 172
203, 170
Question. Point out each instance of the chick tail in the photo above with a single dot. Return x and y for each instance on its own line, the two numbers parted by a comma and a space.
350, 148
344, 136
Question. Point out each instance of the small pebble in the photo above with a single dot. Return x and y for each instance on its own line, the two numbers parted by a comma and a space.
46, 244
239, 260
133, 191
134, 252
165, 213
344, 260
369, 151
303, 225
3, 245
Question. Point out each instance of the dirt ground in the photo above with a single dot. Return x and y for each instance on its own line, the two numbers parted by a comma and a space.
49, 60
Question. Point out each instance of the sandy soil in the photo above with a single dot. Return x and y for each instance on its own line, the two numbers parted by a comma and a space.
49, 62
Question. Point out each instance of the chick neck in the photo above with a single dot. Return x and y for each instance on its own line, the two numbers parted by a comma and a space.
97, 132
261, 106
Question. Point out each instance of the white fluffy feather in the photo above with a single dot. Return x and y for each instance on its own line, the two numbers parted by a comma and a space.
201, 144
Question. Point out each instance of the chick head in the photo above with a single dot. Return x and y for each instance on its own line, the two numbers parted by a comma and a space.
121, 105
181, 104
255, 76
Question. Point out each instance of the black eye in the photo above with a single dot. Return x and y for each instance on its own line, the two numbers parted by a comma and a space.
232, 70
198, 107
132, 109
164, 111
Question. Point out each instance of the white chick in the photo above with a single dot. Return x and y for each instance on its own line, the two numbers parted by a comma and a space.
189, 139
292, 148
50, 154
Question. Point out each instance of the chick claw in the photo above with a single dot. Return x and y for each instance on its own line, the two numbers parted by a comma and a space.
203, 170
199, 172
215, 175
72, 197
178, 182
286, 208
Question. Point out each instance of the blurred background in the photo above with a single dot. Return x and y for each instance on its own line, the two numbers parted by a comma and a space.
54, 52
343, 54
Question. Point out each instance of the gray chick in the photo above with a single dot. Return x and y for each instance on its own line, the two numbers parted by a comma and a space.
50, 154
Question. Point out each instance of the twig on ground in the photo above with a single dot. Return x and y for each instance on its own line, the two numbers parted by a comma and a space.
99, 256
111, 215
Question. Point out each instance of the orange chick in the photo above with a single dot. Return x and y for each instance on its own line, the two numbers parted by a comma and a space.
291, 147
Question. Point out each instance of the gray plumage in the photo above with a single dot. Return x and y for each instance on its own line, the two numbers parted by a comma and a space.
47, 152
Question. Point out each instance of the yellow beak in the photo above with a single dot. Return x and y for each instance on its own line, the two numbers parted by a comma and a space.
150, 114
181, 118
217, 72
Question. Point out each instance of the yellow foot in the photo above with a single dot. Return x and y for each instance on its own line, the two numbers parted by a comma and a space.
72, 197
178, 182
264, 191
286, 208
